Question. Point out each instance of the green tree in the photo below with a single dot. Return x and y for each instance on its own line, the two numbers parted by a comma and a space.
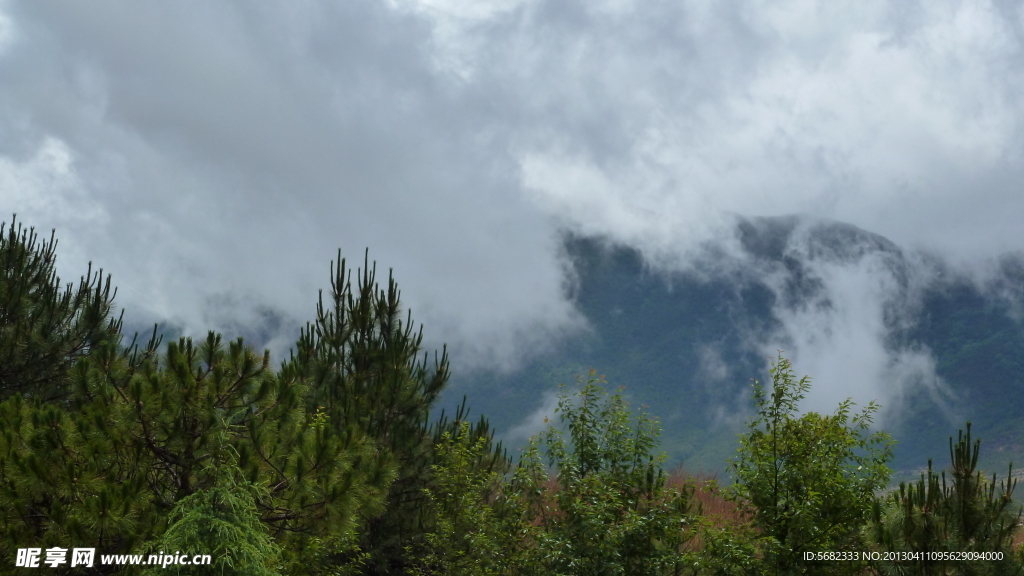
45, 326
364, 368
808, 481
613, 511
927, 519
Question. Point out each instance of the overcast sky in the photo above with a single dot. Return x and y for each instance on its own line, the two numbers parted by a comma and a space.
213, 156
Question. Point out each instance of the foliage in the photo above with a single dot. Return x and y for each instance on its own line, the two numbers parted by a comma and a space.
607, 511
479, 530
807, 481
140, 436
221, 521
364, 370
339, 440
970, 514
45, 326
612, 512
727, 551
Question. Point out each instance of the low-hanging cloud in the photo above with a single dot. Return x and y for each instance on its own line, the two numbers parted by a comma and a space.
214, 156
843, 296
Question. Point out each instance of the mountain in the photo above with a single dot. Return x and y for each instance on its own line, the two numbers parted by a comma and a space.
939, 347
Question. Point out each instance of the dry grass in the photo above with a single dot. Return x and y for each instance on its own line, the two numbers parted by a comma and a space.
709, 500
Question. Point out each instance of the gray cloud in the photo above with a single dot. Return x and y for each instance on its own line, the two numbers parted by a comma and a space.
220, 153
230, 151
893, 124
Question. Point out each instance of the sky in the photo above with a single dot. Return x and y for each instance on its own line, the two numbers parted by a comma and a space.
213, 157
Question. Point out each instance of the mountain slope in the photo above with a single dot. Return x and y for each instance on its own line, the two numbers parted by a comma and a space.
686, 342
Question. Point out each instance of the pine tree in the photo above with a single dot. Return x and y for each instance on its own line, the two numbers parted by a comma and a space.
338, 443
931, 518
44, 327
139, 437
364, 367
